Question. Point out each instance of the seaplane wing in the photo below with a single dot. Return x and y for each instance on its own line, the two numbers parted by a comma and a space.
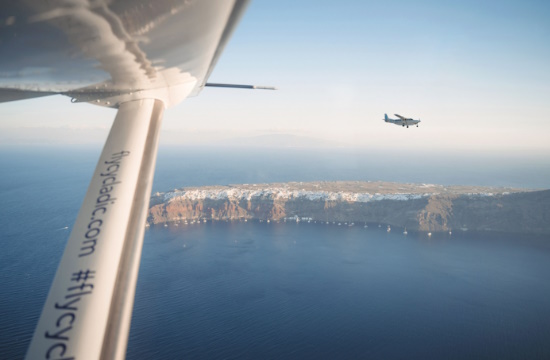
402, 117
137, 56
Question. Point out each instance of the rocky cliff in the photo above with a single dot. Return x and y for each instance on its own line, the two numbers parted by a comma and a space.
423, 207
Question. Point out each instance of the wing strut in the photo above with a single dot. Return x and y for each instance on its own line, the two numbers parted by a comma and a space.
88, 310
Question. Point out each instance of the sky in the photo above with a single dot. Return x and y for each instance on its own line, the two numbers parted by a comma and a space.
477, 73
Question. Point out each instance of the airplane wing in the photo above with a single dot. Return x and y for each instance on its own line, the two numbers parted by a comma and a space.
401, 117
138, 56
91, 50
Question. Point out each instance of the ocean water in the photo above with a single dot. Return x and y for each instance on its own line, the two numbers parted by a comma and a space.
304, 291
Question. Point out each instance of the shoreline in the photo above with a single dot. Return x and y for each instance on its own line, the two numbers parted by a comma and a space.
395, 229
421, 207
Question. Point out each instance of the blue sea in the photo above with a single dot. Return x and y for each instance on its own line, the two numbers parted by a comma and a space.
233, 290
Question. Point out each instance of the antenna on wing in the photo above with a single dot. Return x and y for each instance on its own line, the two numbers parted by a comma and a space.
237, 86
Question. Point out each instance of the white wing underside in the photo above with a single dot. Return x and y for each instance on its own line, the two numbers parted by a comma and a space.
110, 52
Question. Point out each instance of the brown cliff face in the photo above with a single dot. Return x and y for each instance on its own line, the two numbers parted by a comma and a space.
183, 209
527, 212
437, 214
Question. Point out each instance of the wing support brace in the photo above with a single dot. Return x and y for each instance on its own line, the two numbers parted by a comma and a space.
88, 310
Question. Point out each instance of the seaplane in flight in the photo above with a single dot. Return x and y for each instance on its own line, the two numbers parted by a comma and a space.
137, 57
403, 121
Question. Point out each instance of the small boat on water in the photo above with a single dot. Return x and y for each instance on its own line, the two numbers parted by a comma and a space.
389, 229
429, 234
405, 232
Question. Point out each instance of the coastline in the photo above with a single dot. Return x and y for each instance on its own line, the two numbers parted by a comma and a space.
417, 207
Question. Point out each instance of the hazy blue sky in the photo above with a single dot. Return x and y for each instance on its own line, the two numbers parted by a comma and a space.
477, 73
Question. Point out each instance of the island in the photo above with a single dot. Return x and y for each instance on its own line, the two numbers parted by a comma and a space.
416, 207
